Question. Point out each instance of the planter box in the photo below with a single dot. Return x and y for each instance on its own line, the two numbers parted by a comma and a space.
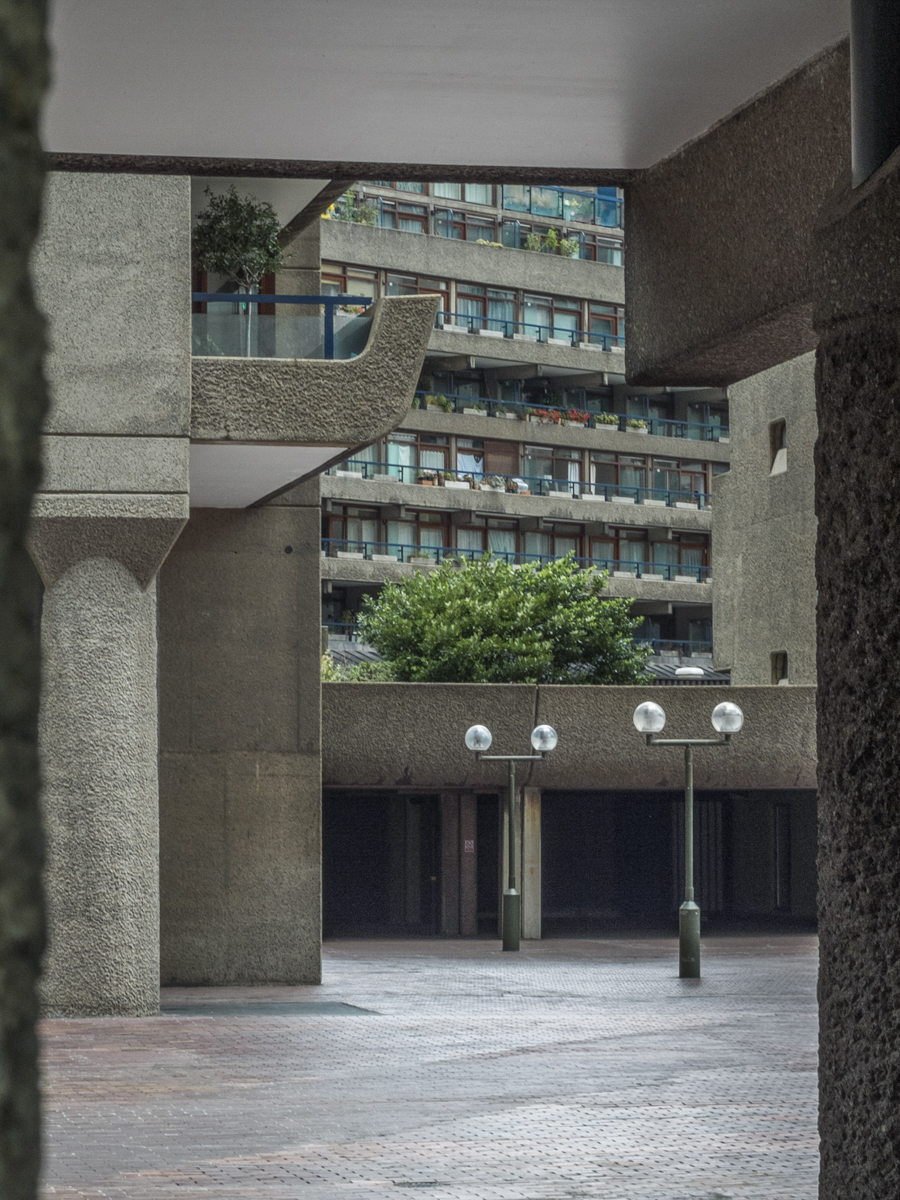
349, 474
627, 430
474, 412
489, 487
559, 342
622, 499
453, 329
686, 504
655, 503
535, 421
524, 337
427, 482
384, 558
434, 408
617, 349
591, 496
589, 346
561, 495
685, 578
492, 333
385, 479
350, 554
724, 440
624, 574
575, 424
459, 484
509, 416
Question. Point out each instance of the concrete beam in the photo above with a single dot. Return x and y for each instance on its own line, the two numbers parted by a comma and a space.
717, 273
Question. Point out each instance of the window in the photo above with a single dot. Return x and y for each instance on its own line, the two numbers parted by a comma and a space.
479, 193
416, 285
537, 316
622, 474
481, 535
620, 549
557, 469
685, 554
778, 447
410, 187
410, 453
353, 529
779, 667
649, 408
713, 416
554, 541
607, 324
470, 456
676, 481
417, 529
447, 191
408, 218
351, 281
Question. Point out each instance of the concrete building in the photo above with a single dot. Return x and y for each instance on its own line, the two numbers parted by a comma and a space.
784, 198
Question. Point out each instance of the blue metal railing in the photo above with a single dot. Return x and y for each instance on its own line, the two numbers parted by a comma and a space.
242, 300
596, 419
405, 552
528, 330
523, 485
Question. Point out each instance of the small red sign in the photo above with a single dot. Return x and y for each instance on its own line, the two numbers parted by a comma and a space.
469, 846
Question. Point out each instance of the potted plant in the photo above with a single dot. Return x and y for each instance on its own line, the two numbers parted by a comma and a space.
574, 417
512, 486
635, 425
237, 236
568, 247
421, 556
474, 408
605, 418
427, 477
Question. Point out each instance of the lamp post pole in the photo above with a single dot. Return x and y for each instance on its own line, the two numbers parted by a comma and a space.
650, 719
479, 739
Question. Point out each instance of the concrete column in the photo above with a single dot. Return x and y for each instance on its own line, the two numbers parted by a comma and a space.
98, 731
450, 852
468, 864
531, 863
858, 572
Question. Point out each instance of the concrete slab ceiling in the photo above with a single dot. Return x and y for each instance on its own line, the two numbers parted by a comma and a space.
236, 476
577, 83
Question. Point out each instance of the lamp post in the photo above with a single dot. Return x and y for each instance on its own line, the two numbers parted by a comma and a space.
479, 739
650, 719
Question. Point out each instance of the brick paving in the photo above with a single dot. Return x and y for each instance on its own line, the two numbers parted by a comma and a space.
574, 1069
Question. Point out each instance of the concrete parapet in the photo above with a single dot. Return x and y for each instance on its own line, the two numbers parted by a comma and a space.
341, 402
411, 735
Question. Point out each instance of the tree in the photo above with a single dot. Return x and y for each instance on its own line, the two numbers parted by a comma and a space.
237, 238
489, 622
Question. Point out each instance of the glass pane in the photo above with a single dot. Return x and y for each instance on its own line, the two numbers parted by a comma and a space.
470, 539
546, 202
479, 231
517, 197
577, 207
665, 553
410, 187
431, 535
401, 531
565, 545
448, 191
502, 541
409, 225
433, 459
692, 556
603, 473
478, 193
537, 543
445, 225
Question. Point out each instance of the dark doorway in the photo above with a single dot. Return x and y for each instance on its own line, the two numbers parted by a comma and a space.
381, 864
489, 865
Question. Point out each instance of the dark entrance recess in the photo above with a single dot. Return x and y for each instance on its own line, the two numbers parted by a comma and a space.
381, 864
613, 861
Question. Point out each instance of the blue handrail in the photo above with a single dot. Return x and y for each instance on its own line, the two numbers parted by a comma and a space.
534, 485
404, 551
328, 302
543, 333
682, 646
660, 426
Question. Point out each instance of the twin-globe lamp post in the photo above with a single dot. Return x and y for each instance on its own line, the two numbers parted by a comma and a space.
650, 719
479, 739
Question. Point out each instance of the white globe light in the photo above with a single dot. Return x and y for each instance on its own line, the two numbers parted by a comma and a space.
544, 738
649, 718
727, 718
479, 737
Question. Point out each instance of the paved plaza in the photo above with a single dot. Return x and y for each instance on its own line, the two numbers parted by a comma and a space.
576, 1068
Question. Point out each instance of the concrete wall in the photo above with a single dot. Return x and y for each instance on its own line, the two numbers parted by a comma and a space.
765, 531
240, 745
717, 273
444, 258
111, 273
411, 735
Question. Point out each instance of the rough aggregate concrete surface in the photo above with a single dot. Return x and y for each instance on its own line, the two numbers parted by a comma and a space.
101, 798
349, 402
576, 1070
858, 500
23, 404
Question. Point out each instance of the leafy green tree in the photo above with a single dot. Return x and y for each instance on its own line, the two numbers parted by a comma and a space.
238, 238
489, 622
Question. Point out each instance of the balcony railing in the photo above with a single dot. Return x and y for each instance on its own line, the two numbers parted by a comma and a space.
306, 327
683, 648
522, 485
526, 331
551, 414
404, 552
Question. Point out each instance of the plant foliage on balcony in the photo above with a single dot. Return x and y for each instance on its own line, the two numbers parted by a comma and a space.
490, 622
237, 237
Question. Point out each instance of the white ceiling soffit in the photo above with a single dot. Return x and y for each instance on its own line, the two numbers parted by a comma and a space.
287, 196
568, 83
235, 476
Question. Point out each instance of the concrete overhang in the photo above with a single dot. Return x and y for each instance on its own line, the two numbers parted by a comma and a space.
259, 426
279, 87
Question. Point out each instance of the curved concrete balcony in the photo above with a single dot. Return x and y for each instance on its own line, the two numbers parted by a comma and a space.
260, 425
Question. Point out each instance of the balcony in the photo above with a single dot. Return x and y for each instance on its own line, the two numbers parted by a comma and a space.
520, 485
527, 331
550, 414
428, 556
231, 325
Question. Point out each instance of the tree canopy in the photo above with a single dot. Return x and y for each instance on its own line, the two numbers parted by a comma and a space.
237, 237
489, 622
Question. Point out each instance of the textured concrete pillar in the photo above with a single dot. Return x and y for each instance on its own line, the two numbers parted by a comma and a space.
858, 570
531, 863
99, 755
